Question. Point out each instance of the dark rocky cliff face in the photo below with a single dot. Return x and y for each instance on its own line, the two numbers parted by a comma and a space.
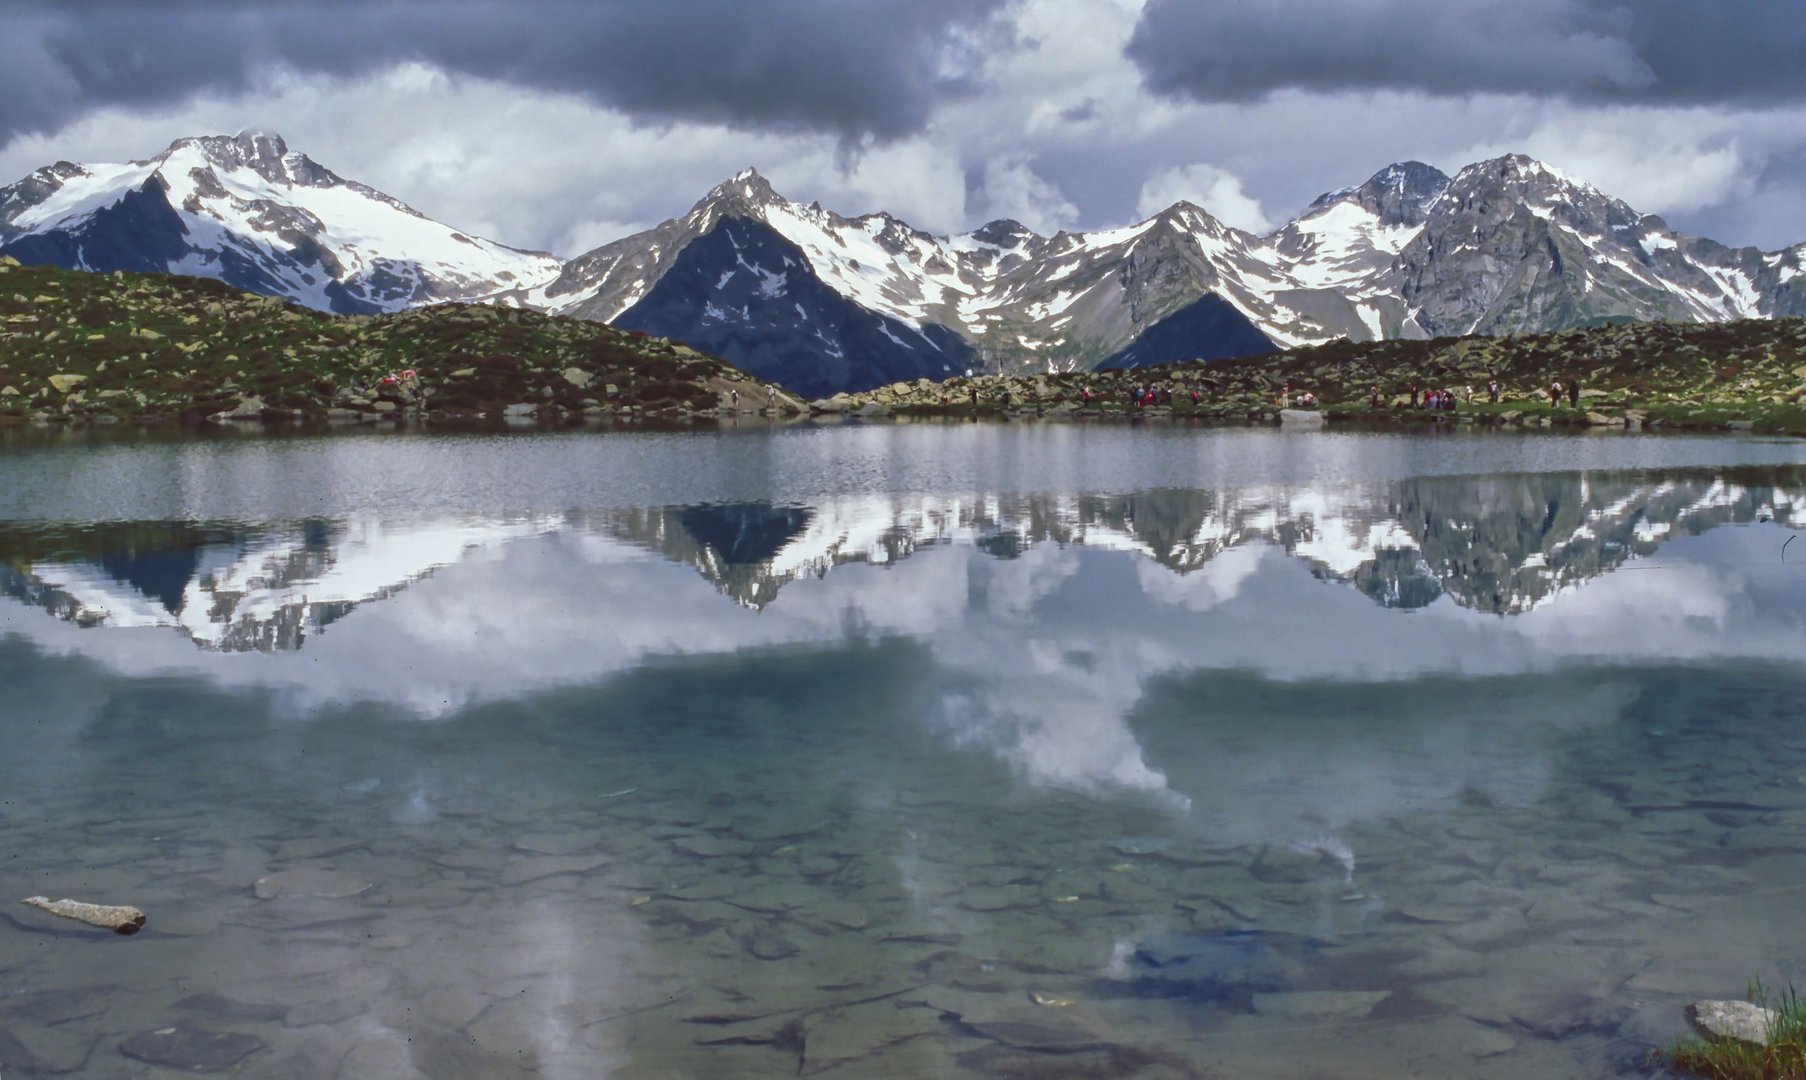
747, 295
140, 232
1205, 329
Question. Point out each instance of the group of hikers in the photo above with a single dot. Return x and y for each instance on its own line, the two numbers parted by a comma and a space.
1428, 399
1423, 398
771, 398
1141, 396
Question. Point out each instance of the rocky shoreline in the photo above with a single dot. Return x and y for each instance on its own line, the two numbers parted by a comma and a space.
1744, 376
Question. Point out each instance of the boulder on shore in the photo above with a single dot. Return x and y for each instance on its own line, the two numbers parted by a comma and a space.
1739, 1021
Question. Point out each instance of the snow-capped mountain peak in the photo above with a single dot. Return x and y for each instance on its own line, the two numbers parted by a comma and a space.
264, 153
249, 210
1003, 233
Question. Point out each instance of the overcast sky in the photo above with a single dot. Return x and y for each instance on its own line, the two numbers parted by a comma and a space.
562, 124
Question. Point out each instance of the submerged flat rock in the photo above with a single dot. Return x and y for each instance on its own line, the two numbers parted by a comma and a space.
1142, 845
191, 1049
710, 847
766, 943
844, 915
221, 1007
570, 843
538, 867
1033, 1035
309, 881
1320, 1004
40, 1050
842, 1036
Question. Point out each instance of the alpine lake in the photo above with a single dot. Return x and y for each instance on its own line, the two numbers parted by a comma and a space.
896, 750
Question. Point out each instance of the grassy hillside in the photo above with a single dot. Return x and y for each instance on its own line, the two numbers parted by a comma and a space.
1750, 373
95, 347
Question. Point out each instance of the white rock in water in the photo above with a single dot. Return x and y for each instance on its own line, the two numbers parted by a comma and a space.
117, 918
1736, 1020
308, 881
249, 407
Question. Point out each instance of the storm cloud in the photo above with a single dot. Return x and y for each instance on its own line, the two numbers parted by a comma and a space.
876, 69
1662, 52
560, 125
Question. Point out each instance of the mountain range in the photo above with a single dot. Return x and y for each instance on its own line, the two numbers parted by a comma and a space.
821, 302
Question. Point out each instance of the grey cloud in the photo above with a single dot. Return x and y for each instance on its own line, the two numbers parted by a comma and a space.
1774, 213
1657, 51
1083, 111
876, 69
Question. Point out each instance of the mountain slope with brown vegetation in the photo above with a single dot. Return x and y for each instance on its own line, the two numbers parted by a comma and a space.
91, 347
1747, 374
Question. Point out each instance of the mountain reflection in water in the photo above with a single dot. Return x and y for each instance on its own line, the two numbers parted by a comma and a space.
1499, 544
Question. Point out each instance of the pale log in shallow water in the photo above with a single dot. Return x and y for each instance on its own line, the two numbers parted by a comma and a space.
114, 917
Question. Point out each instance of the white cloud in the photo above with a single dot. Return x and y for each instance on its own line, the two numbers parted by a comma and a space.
1216, 190
1013, 189
1660, 161
1215, 583
917, 180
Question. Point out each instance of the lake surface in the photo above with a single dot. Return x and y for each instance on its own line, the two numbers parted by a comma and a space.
897, 751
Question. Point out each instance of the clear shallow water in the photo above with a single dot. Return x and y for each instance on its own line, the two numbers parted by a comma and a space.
899, 752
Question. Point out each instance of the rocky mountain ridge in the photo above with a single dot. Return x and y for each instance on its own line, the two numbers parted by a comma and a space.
1509, 245
823, 302
247, 210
